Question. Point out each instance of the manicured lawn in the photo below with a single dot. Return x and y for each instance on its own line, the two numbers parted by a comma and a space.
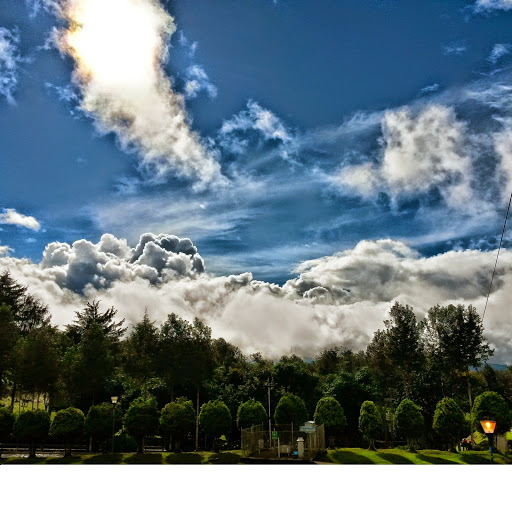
231, 457
397, 456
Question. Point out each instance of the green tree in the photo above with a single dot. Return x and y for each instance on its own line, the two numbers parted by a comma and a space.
99, 423
178, 420
6, 425
251, 413
449, 422
141, 420
329, 413
290, 409
370, 423
215, 419
408, 421
32, 427
492, 406
8, 336
68, 424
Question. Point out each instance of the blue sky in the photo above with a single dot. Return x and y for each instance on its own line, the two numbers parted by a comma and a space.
303, 128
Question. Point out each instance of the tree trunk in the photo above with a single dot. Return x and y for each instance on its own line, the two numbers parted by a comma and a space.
32, 449
470, 411
197, 420
13, 395
68, 448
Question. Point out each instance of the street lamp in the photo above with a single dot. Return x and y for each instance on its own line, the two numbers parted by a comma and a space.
114, 402
269, 385
488, 427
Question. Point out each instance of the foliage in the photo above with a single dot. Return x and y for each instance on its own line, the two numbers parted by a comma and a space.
492, 406
178, 418
449, 422
329, 413
32, 426
141, 420
290, 409
68, 424
215, 418
98, 422
370, 423
6, 423
8, 336
251, 413
408, 421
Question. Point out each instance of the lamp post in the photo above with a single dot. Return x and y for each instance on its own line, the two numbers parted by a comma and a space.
488, 427
114, 402
269, 385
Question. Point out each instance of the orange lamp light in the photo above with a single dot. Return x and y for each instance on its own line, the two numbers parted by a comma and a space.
488, 426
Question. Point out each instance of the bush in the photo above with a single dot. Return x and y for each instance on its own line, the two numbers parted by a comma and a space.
31, 427
6, 425
370, 423
215, 419
178, 420
141, 420
329, 413
449, 422
68, 424
408, 421
492, 406
98, 423
291, 409
251, 413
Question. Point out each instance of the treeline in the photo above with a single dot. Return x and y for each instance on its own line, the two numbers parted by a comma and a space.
178, 366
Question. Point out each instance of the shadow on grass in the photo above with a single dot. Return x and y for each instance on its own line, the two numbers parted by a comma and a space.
64, 460
394, 458
105, 458
25, 460
224, 458
435, 460
183, 458
475, 458
145, 458
350, 457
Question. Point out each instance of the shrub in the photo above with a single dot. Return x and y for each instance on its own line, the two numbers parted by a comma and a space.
6, 425
408, 421
215, 419
370, 423
141, 420
492, 406
290, 409
31, 427
329, 413
68, 424
449, 421
251, 413
98, 423
178, 420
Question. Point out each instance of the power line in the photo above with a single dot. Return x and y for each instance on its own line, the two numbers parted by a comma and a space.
497, 256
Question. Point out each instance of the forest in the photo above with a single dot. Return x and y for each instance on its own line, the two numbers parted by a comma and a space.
175, 380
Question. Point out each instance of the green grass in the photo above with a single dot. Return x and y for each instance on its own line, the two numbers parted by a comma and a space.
397, 456
231, 457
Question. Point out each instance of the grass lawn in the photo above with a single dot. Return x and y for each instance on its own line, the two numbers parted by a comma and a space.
397, 456
231, 457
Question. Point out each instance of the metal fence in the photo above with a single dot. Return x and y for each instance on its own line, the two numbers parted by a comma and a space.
282, 442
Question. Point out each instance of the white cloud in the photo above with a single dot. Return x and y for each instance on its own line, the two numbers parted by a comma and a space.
119, 49
498, 51
419, 151
196, 81
455, 48
489, 5
339, 299
9, 61
429, 88
4, 250
11, 216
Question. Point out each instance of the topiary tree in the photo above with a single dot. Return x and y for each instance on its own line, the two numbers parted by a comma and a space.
98, 423
141, 420
492, 406
329, 413
6, 425
31, 427
370, 422
251, 413
290, 409
449, 422
408, 421
215, 419
178, 419
68, 424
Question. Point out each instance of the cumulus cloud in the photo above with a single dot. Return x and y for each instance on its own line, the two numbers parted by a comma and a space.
197, 81
11, 216
489, 5
119, 48
498, 51
340, 299
9, 61
4, 249
419, 151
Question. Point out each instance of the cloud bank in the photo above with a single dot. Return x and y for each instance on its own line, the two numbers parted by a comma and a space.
339, 299
119, 48
11, 216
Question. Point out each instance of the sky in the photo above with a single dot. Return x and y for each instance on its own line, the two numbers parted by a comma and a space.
284, 170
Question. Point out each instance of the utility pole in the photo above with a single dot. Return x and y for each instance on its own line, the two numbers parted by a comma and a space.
269, 385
